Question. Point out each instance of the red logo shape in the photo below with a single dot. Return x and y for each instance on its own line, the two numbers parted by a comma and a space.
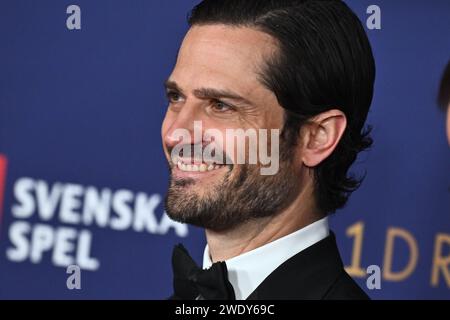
3, 165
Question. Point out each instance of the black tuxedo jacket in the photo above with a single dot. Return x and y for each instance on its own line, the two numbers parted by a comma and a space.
316, 273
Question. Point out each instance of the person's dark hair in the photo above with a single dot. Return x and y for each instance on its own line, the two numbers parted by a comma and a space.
324, 61
444, 90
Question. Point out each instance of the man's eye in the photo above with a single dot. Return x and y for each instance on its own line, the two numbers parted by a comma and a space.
221, 106
173, 97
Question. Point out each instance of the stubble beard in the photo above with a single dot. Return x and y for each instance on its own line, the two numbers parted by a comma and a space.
237, 198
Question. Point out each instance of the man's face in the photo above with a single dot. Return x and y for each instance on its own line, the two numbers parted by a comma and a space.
216, 80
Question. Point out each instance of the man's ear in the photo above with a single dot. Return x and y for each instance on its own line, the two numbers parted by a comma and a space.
320, 136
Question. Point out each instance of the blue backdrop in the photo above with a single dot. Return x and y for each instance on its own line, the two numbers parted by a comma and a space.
82, 173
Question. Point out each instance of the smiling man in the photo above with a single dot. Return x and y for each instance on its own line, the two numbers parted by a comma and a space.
303, 68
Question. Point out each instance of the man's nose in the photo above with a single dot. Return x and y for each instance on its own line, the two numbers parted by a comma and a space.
185, 128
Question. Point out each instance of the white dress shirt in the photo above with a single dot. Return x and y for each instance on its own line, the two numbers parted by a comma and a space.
247, 271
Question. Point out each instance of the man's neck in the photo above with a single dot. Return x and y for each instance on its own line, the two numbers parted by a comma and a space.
256, 233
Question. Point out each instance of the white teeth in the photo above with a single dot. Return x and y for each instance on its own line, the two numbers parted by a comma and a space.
197, 168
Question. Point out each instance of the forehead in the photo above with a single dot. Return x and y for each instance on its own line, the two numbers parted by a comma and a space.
228, 56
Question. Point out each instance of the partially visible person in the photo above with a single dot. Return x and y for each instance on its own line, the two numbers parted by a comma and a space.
444, 97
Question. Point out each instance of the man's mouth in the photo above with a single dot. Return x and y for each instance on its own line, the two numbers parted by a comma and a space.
191, 166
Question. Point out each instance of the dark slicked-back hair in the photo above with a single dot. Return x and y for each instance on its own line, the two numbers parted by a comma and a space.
324, 61
444, 90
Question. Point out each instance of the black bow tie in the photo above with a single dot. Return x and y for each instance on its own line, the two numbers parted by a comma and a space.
193, 283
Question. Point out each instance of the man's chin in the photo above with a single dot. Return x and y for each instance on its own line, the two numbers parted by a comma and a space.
205, 220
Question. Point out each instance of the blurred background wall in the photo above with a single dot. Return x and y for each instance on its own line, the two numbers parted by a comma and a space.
82, 173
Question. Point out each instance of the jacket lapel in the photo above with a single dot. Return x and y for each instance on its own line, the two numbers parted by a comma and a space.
309, 275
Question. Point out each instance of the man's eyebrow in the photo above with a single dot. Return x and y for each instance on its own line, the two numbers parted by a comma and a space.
172, 85
208, 93
211, 93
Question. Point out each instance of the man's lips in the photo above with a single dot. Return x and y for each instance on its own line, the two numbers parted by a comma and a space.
178, 173
191, 164
193, 168
197, 166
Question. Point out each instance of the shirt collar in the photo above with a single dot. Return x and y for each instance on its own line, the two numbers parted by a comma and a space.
247, 271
